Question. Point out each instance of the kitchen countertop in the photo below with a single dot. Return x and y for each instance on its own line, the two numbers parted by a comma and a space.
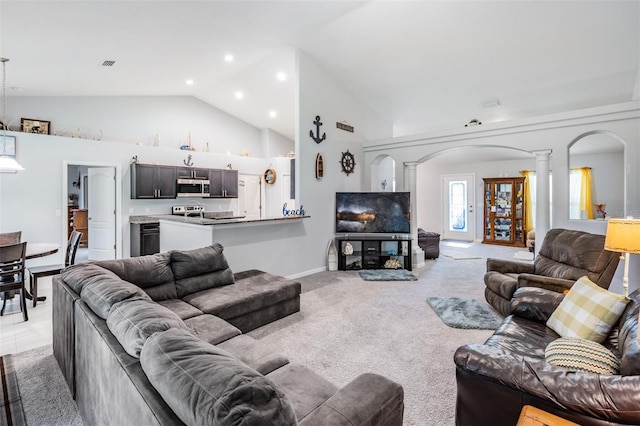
197, 220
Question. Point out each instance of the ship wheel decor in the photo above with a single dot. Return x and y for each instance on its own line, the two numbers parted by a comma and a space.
348, 162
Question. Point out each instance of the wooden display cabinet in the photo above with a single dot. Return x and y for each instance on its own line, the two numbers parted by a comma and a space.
504, 211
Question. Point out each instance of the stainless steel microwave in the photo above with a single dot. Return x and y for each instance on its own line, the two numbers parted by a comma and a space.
194, 188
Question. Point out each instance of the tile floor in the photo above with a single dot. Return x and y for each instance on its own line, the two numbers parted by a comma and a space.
17, 335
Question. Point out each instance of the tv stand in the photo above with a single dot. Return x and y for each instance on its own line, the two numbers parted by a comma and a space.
371, 252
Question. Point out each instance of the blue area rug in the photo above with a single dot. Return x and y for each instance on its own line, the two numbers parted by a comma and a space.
387, 275
465, 313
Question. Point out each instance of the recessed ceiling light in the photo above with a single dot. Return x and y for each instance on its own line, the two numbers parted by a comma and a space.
273, 114
239, 95
281, 76
189, 82
228, 57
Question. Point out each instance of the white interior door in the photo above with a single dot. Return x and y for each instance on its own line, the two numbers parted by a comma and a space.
250, 196
102, 213
458, 201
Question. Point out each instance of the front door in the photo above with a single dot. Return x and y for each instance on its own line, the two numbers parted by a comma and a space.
458, 217
101, 204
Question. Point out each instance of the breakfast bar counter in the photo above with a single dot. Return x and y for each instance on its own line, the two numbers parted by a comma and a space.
248, 243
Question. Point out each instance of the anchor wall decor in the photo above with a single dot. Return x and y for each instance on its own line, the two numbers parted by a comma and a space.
317, 138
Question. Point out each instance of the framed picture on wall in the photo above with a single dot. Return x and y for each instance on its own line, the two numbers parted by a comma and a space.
8, 146
35, 126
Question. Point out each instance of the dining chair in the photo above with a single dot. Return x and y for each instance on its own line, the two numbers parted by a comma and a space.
48, 270
7, 238
12, 259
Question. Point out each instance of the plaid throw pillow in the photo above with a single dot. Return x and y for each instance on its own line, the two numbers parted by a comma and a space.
582, 355
587, 312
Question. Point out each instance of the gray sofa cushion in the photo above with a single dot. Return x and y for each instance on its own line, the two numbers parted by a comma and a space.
211, 329
101, 293
153, 273
77, 276
253, 353
200, 269
181, 308
249, 294
205, 385
133, 321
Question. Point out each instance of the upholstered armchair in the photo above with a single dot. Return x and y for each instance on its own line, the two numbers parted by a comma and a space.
564, 257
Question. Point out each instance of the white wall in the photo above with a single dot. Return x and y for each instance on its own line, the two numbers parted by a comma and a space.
429, 188
552, 132
138, 119
320, 95
607, 175
34, 200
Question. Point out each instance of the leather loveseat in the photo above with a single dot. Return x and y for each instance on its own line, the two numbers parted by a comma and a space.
564, 257
157, 340
497, 378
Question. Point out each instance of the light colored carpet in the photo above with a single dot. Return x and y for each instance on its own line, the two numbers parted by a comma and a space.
45, 396
348, 326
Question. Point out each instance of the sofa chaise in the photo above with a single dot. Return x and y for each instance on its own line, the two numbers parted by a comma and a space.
158, 340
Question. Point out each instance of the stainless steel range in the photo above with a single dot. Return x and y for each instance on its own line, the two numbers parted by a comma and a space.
187, 210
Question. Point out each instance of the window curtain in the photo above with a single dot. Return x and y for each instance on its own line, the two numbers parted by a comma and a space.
528, 199
586, 200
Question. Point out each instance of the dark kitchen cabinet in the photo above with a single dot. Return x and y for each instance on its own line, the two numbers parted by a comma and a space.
193, 173
223, 183
145, 239
153, 181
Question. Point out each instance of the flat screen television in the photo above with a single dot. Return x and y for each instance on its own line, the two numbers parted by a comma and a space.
373, 212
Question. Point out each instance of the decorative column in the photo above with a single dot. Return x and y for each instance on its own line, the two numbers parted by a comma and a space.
411, 184
543, 210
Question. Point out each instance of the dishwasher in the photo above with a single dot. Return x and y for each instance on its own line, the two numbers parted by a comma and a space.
145, 239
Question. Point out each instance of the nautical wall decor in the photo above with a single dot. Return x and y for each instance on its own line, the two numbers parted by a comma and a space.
344, 126
319, 166
317, 137
348, 162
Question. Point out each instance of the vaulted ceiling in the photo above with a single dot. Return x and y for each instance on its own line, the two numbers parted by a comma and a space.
425, 65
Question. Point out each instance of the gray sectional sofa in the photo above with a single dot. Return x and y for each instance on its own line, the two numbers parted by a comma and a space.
158, 340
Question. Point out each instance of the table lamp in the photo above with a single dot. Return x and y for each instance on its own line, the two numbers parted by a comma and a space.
623, 235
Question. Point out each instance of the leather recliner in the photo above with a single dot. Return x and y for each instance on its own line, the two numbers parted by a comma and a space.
496, 379
564, 257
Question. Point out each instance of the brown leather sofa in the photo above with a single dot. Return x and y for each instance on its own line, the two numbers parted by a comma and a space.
564, 257
497, 378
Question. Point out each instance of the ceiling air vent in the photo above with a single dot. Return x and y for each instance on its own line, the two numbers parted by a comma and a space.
108, 63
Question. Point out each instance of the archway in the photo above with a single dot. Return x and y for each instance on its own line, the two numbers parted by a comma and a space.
383, 174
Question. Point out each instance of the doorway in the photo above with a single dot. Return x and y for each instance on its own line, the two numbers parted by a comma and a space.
93, 191
458, 201
250, 196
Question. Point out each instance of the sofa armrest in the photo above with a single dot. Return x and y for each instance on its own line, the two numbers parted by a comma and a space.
535, 303
558, 285
611, 397
509, 266
370, 399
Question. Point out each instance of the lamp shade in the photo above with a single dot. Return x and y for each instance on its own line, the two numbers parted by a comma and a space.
623, 235
9, 164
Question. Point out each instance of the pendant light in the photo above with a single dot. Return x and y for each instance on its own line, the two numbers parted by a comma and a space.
7, 164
